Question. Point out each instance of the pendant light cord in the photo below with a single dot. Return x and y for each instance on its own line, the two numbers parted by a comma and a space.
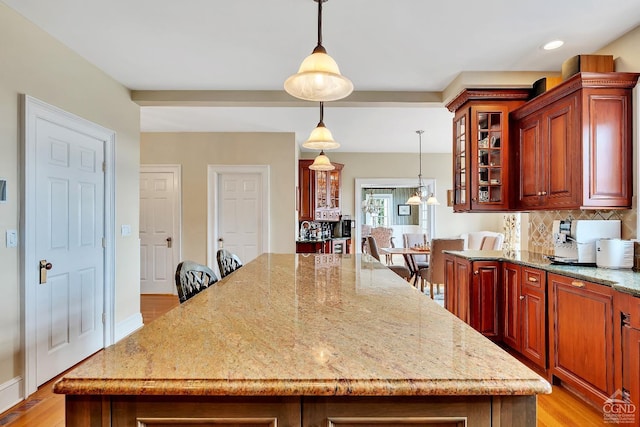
420, 132
320, 21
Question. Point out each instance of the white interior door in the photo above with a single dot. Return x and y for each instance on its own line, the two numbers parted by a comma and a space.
240, 214
159, 228
69, 235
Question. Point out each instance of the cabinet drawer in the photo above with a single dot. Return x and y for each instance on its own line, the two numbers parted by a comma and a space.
533, 278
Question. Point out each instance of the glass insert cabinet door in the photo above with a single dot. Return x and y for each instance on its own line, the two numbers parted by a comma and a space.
488, 158
460, 161
322, 201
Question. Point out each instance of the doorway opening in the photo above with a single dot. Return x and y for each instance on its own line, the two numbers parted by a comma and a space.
388, 195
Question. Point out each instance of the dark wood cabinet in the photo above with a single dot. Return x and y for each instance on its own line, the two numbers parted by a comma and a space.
524, 311
481, 148
314, 247
573, 145
472, 293
547, 157
319, 193
627, 339
581, 350
484, 300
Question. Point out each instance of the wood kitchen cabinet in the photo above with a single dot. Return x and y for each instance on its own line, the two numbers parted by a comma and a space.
573, 145
627, 323
481, 147
524, 311
581, 344
319, 192
472, 293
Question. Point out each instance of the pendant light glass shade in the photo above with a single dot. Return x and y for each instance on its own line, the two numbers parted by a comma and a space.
318, 78
321, 138
432, 200
416, 199
321, 163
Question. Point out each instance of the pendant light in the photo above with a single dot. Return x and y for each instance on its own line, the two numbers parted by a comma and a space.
318, 78
321, 138
417, 198
321, 163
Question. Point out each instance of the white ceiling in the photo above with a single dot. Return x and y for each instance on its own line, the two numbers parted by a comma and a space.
381, 45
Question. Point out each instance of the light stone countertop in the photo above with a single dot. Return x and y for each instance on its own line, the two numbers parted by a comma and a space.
305, 325
623, 280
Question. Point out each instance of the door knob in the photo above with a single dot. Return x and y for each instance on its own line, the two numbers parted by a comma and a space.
44, 266
169, 242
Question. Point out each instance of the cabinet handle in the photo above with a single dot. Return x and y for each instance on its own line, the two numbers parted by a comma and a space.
475, 272
532, 279
577, 284
521, 297
544, 193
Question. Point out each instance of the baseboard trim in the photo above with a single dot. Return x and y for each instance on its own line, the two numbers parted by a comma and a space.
11, 393
128, 326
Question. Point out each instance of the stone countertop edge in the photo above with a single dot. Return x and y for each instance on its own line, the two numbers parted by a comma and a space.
305, 325
623, 280
175, 387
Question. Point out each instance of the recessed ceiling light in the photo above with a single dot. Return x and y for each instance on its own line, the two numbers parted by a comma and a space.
553, 45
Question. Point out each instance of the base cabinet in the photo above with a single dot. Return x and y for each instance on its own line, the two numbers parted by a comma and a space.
581, 336
627, 323
472, 293
524, 312
383, 411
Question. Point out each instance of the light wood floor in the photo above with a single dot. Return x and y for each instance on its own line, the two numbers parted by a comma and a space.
46, 409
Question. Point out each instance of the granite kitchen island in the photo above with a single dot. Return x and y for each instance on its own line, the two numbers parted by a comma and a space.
313, 340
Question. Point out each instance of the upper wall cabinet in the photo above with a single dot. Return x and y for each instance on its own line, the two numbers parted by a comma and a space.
481, 148
572, 146
320, 193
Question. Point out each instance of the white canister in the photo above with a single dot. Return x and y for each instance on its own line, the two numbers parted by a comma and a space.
614, 253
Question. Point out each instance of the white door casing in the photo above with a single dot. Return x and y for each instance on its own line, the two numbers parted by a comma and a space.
159, 221
67, 212
238, 211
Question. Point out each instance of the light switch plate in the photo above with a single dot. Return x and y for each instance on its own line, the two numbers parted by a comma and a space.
125, 230
12, 238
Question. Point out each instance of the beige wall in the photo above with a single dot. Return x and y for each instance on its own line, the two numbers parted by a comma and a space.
33, 63
194, 151
397, 165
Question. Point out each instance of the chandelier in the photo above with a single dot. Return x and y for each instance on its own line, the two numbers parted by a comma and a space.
318, 78
418, 197
370, 206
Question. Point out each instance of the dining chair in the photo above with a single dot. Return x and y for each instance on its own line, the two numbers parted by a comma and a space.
401, 270
436, 267
475, 240
384, 239
227, 262
192, 278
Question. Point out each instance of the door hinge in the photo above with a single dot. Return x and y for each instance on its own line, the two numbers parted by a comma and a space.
104, 318
104, 242
104, 166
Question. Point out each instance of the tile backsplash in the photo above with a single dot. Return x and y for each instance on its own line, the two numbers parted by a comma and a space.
541, 222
